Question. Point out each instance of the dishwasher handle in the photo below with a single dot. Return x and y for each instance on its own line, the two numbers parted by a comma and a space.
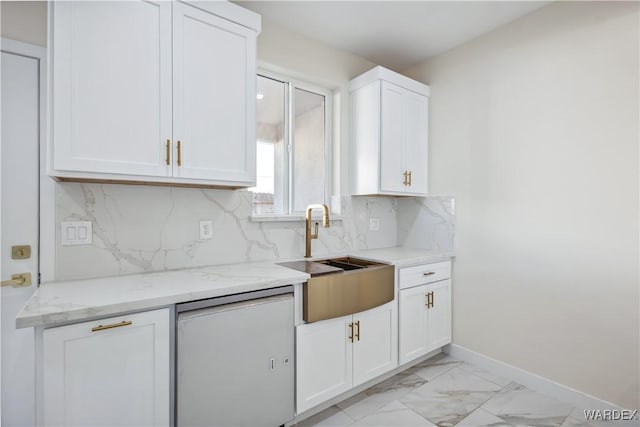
230, 299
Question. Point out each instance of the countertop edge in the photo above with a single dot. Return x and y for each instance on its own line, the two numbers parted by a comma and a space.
397, 256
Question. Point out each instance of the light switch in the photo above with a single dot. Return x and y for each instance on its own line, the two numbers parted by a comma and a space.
374, 224
76, 233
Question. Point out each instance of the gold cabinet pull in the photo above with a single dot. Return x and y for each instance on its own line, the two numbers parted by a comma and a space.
358, 329
111, 326
429, 299
433, 299
405, 181
179, 153
409, 179
351, 331
427, 302
167, 156
428, 273
20, 280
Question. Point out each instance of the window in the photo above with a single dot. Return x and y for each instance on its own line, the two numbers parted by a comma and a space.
292, 146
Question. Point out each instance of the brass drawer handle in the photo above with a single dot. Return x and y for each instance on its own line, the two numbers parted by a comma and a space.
409, 179
404, 182
111, 326
179, 153
358, 333
428, 273
167, 158
351, 331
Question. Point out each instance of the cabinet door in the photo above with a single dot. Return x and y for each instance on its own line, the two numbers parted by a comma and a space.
391, 139
214, 96
413, 323
439, 315
375, 343
415, 115
116, 377
323, 361
111, 87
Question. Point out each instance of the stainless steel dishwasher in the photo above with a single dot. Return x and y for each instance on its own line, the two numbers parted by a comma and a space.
235, 360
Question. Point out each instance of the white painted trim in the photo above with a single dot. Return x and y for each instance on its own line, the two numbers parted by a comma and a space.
528, 379
47, 235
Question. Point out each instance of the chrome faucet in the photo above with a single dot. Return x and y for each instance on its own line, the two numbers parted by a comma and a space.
309, 235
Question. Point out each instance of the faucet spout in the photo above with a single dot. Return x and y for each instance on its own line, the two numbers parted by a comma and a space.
309, 235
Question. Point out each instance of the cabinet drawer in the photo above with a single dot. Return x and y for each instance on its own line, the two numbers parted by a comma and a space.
426, 273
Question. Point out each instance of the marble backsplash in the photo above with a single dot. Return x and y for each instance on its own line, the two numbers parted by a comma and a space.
427, 223
146, 228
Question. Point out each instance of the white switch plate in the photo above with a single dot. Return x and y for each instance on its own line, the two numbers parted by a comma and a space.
206, 231
374, 224
76, 233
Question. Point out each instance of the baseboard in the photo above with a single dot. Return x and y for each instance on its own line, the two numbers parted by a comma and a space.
530, 380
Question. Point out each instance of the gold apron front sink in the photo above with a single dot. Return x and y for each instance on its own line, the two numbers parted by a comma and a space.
360, 285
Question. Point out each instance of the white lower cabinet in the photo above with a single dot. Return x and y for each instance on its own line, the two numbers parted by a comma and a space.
425, 312
111, 372
337, 354
375, 345
323, 361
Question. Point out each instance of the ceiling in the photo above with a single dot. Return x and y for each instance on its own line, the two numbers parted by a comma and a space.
395, 34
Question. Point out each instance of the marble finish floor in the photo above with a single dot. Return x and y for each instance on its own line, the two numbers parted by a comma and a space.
446, 392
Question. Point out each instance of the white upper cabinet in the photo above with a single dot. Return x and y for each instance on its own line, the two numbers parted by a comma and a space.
389, 134
111, 87
214, 104
153, 92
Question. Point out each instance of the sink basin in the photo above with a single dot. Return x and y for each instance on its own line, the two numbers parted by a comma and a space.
348, 263
342, 286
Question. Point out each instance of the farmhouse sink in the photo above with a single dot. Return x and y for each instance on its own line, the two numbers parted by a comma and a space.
342, 286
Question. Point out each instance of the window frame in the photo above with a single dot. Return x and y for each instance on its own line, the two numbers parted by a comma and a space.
291, 84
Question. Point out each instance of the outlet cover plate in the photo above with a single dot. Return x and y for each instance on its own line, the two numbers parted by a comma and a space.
206, 229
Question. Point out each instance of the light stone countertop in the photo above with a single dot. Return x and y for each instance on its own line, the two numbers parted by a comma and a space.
75, 300
403, 257
59, 302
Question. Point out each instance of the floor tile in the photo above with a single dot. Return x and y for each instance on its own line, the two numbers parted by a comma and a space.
435, 366
482, 418
520, 406
376, 397
394, 414
450, 397
573, 422
483, 373
330, 417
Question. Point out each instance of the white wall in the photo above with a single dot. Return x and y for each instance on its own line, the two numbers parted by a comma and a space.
534, 128
24, 21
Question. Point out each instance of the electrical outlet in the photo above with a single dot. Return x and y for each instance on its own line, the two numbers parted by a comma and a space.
76, 233
374, 224
206, 229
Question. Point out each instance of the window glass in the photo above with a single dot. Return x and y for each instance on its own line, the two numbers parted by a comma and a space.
291, 132
308, 150
271, 147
